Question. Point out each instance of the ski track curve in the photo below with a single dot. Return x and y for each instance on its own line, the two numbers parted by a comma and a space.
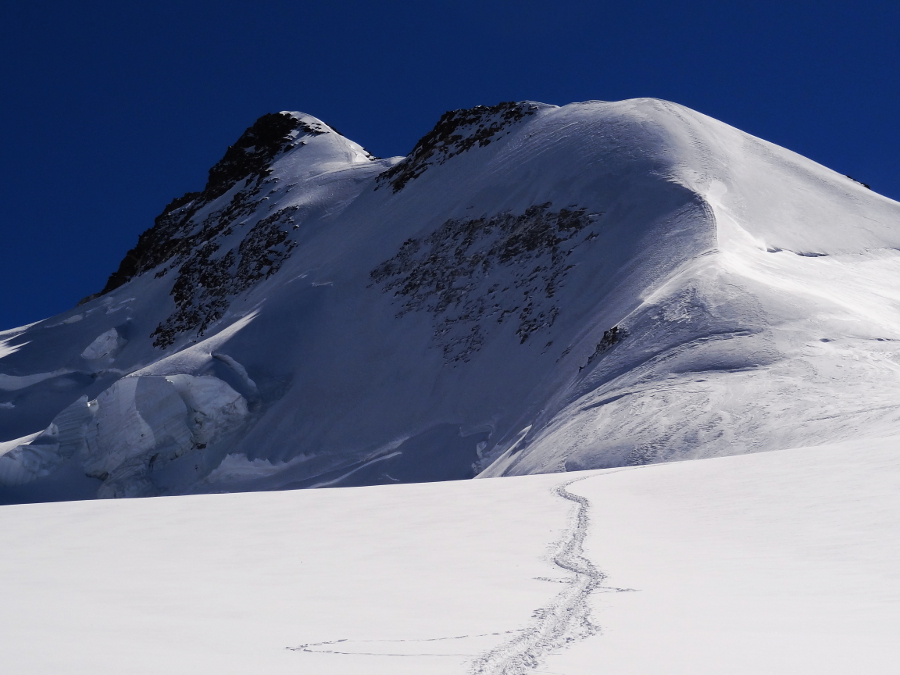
566, 619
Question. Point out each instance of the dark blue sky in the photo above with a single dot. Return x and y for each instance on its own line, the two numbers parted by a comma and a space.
111, 109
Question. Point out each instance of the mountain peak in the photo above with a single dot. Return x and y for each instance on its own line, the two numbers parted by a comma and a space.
539, 289
456, 132
260, 145
250, 160
255, 150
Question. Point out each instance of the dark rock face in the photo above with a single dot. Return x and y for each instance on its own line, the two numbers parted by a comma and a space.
471, 275
865, 185
610, 339
206, 282
209, 273
154, 246
253, 152
217, 244
249, 157
456, 132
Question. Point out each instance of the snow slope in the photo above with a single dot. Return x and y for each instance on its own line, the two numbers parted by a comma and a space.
533, 289
778, 562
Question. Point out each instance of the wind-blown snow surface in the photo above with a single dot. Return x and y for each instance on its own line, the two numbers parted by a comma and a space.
781, 562
534, 289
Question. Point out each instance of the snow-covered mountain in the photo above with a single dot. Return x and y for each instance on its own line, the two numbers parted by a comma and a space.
533, 289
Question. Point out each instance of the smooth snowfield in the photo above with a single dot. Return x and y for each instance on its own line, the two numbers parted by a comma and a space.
780, 562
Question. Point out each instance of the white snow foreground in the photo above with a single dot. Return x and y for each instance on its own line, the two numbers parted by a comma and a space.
779, 562
533, 289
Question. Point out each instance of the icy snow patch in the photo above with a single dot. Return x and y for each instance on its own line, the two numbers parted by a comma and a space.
215, 407
144, 420
16, 382
40, 454
119, 436
194, 357
6, 349
106, 344
238, 466
7, 446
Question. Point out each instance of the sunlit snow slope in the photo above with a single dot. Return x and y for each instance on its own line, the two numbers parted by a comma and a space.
533, 289
780, 563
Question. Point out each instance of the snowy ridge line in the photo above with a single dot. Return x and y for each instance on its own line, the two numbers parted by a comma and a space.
566, 618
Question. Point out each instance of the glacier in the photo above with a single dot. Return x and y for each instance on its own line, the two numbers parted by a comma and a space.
533, 289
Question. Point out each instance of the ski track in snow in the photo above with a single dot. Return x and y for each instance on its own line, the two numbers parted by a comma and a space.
329, 647
566, 618
563, 621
